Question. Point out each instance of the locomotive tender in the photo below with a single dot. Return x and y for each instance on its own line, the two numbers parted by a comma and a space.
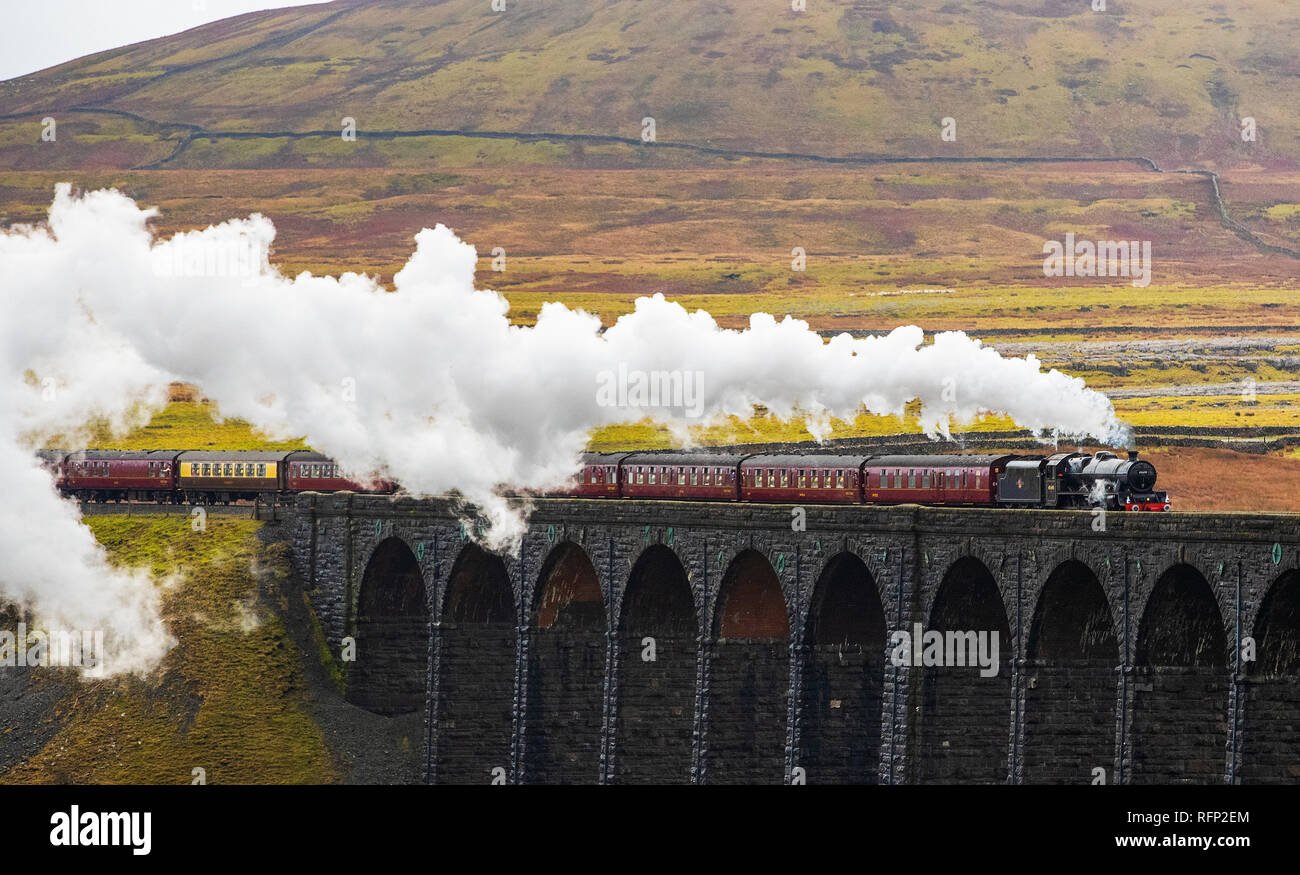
1063, 480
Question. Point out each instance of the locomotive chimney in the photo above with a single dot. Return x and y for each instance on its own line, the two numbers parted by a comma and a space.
1132, 455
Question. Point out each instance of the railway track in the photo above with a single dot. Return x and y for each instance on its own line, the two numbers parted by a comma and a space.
241, 510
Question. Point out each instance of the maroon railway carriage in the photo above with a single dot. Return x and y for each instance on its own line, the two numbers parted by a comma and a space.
968, 480
801, 478
115, 475
598, 477
687, 476
307, 471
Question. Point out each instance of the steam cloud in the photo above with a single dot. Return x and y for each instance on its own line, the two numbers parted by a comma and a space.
430, 385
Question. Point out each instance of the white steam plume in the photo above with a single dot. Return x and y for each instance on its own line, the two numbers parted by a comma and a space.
430, 385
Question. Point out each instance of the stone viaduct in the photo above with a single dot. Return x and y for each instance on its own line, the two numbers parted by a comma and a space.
632, 642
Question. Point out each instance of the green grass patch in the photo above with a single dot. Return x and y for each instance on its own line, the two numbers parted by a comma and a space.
228, 698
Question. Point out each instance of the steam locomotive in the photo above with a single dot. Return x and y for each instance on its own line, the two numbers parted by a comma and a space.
1063, 480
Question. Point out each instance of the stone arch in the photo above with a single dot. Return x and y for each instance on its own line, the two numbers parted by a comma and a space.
659, 635
965, 719
1070, 680
477, 669
749, 675
1271, 752
844, 675
391, 669
1180, 724
566, 671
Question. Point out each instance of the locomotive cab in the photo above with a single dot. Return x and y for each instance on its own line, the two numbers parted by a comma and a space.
1062, 486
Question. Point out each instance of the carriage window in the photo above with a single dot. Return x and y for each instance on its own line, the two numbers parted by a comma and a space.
239, 469
207, 469
925, 479
640, 475
785, 477
261, 469
839, 478
911, 479
652, 475
977, 479
695, 476
802, 480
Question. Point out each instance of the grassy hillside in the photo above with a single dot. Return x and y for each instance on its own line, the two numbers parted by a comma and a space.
722, 238
597, 222
230, 698
847, 77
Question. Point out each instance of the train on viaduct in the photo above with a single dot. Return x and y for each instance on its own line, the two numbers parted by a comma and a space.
713, 643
